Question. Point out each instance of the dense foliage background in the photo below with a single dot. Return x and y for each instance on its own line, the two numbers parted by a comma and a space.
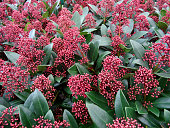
85, 63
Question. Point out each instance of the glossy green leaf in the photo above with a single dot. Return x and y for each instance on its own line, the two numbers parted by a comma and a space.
141, 62
138, 49
12, 56
2, 108
16, 102
150, 121
32, 34
26, 116
128, 75
73, 70
22, 95
167, 115
48, 50
130, 112
42, 67
12, 6
70, 119
163, 12
82, 69
99, 117
162, 25
124, 48
128, 29
98, 99
93, 52
4, 102
85, 12
154, 110
159, 32
29, 101
103, 30
94, 8
58, 79
140, 108
49, 115
103, 41
162, 102
40, 104
164, 75
89, 30
51, 78
137, 35
76, 19
101, 58
120, 104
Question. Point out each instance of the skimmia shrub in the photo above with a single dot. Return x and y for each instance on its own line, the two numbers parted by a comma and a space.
85, 63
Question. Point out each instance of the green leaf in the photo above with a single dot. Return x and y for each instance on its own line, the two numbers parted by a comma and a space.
99, 117
73, 70
164, 75
29, 101
98, 99
85, 12
70, 119
54, 6
26, 116
94, 8
128, 29
46, 14
154, 110
42, 67
162, 102
76, 19
141, 62
138, 49
101, 58
120, 104
49, 115
89, 30
163, 13
128, 75
130, 112
124, 48
22, 95
12, 56
159, 32
67, 90
4, 102
58, 79
149, 120
82, 69
48, 50
162, 25
2, 108
93, 52
137, 35
151, 22
103, 30
15, 102
40, 104
32, 34
103, 41
51, 78
140, 108
167, 115
12, 6
25, 29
